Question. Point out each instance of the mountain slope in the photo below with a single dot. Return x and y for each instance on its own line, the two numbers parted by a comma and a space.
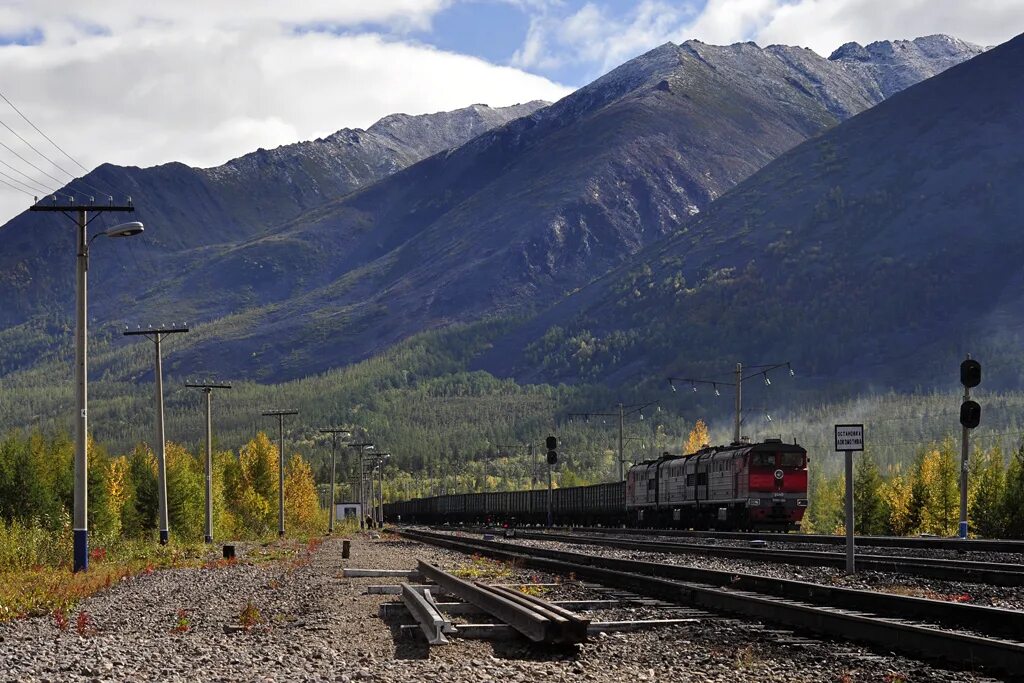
883, 251
514, 219
192, 208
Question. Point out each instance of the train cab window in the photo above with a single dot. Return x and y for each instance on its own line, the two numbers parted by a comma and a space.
762, 460
792, 460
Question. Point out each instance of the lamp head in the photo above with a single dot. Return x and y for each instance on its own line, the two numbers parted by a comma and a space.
124, 229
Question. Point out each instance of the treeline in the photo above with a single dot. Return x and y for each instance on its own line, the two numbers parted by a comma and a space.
37, 480
924, 498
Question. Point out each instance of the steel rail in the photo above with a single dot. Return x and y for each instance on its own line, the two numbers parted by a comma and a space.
998, 574
981, 545
779, 601
527, 621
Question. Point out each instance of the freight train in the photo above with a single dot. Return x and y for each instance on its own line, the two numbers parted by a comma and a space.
736, 487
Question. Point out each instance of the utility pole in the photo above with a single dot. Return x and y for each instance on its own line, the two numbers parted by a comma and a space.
208, 390
334, 450
280, 463
739, 379
365, 445
622, 412
533, 471
622, 417
156, 335
377, 513
80, 521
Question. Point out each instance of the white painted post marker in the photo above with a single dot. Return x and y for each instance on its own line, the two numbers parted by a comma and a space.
849, 438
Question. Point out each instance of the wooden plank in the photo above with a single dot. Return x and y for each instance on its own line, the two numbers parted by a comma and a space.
353, 573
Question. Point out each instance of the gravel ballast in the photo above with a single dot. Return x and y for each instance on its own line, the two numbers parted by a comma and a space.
317, 625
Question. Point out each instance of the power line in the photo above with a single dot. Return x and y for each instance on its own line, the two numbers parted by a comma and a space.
51, 177
13, 187
35, 182
32, 191
43, 134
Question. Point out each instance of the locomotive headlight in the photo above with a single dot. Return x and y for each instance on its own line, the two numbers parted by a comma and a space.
753, 502
801, 502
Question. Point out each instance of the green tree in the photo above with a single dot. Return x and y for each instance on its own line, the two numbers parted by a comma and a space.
1013, 499
988, 510
138, 516
869, 508
186, 493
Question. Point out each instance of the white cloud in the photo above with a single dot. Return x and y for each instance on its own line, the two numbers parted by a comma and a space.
204, 82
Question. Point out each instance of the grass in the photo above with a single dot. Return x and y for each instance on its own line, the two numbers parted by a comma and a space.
480, 567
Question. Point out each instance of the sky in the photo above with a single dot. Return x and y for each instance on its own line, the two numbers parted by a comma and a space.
201, 82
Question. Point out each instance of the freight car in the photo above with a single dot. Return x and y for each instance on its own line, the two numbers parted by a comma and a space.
740, 486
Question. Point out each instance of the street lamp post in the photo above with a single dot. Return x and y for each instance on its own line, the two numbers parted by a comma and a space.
81, 492
334, 450
208, 390
279, 414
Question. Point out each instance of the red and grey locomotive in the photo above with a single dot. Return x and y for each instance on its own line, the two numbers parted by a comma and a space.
740, 486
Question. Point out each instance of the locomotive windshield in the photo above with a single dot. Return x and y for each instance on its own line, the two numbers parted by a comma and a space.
791, 460
777, 460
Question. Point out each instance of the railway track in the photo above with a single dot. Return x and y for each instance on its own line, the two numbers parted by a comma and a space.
967, 635
987, 545
997, 574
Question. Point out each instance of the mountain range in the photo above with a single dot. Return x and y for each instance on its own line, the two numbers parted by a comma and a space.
873, 256
292, 274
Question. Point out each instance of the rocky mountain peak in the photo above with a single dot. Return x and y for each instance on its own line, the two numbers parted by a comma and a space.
898, 64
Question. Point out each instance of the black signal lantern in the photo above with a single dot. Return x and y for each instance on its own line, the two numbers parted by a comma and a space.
552, 443
970, 414
970, 373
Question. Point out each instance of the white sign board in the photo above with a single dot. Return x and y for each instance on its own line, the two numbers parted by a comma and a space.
849, 437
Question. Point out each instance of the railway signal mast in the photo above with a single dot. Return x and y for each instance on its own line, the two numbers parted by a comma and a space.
753, 371
551, 443
970, 417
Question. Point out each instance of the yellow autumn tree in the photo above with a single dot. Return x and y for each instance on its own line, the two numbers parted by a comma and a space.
940, 476
301, 502
896, 492
698, 437
250, 486
118, 488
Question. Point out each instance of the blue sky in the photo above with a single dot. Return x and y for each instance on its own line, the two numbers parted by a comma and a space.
203, 81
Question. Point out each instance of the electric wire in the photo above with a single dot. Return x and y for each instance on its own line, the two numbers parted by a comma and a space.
13, 187
31, 190
36, 183
34, 126
48, 175
54, 163
74, 179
